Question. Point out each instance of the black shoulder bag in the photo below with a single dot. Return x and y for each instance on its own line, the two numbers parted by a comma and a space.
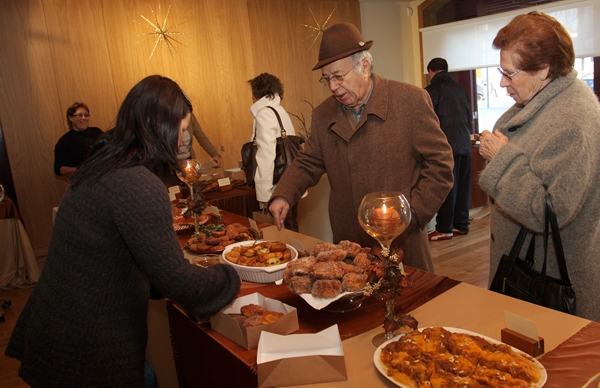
515, 277
286, 150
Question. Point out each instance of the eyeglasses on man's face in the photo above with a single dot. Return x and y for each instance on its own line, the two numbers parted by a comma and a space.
509, 75
81, 115
336, 78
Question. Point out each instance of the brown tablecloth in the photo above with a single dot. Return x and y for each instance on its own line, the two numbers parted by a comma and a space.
197, 348
239, 200
575, 361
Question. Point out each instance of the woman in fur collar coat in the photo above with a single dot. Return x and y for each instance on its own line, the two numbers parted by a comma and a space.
548, 142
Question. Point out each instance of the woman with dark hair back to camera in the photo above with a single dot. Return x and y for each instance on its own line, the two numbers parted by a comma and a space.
267, 93
546, 143
85, 323
72, 148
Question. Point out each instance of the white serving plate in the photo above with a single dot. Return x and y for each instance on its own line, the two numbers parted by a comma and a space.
383, 369
258, 274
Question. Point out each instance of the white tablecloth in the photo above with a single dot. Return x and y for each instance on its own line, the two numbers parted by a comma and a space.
18, 267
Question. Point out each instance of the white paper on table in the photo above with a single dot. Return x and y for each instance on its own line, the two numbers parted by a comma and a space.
273, 347
318, 303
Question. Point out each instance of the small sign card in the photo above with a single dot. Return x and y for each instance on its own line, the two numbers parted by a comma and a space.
521, 325
224, 182
253, 224
522, 333
256, 233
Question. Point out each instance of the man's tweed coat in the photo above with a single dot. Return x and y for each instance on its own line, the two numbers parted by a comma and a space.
397, 145
554, 146
85, 323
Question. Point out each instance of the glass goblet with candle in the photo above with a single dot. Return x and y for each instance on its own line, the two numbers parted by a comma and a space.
384, 216
191, 171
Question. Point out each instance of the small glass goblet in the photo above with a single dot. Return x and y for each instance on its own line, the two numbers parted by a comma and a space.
384, 216
191, 172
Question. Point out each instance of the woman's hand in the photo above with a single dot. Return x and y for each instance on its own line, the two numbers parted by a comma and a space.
490, 143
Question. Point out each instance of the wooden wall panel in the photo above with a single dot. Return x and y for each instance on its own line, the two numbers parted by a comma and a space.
30, 112
55, 52
78, 44
290, 55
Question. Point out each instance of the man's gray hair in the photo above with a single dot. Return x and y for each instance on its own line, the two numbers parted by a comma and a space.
357, 60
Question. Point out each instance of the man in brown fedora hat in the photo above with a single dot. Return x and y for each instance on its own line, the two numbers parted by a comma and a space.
372, 134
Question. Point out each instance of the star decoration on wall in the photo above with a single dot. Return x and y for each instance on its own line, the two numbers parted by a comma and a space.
161, 32
317, 30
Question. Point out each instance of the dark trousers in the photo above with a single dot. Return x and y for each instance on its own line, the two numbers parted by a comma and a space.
454, 212
291, 220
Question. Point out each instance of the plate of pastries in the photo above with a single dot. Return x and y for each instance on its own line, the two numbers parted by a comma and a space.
333, 271
451, 357
213, 238
259, 261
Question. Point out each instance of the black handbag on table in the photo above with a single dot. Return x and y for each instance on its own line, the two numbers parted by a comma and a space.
286, 150
515, 277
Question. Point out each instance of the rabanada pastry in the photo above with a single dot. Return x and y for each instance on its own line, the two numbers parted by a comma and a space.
436, 357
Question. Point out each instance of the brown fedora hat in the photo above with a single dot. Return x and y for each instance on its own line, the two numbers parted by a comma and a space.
339, 41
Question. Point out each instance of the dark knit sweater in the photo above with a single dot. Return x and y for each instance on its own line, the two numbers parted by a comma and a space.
85, 323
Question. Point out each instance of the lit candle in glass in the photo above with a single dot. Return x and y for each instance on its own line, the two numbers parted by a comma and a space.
386, 220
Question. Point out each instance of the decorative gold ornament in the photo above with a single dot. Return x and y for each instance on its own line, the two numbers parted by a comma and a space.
318, 30
161, 32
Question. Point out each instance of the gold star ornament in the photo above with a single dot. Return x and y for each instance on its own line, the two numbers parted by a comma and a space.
161, 32
318, 29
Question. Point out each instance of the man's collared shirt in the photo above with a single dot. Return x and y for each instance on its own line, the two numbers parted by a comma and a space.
361, 110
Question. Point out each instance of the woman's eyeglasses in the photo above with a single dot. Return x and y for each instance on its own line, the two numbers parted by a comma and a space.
337, 79
509, 75
81, 115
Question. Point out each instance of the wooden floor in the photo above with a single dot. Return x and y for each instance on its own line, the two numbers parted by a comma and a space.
464, 258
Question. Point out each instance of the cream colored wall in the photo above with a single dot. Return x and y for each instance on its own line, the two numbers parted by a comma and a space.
396, 51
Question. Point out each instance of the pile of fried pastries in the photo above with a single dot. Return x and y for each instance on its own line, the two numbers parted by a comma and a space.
331, 270
255, 315
218, 239
436, 357
260, 254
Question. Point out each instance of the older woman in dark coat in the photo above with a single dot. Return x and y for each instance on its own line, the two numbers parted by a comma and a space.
372, 134
548, 142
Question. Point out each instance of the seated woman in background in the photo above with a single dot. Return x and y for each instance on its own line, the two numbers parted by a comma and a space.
74, 146
85, 324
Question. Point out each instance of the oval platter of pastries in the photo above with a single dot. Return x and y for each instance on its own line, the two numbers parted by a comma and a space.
451, 357
214, 238
259, 261
331, 272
